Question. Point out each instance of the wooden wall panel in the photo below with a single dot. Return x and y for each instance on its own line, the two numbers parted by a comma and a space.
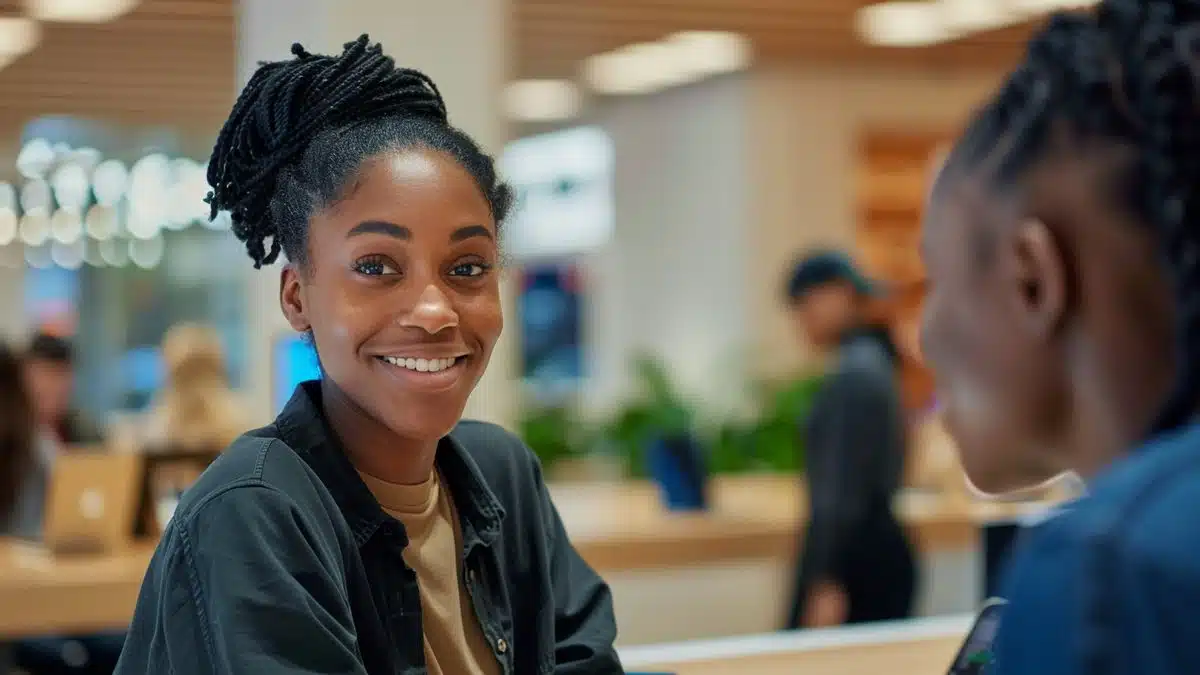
894, 178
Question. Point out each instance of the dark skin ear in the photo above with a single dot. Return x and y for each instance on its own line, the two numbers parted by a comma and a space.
291, 299
1040, 275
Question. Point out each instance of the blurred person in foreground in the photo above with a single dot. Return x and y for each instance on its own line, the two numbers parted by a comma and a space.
856, 563
367, 531
50, 366
196, 410
1062, 243
26, 458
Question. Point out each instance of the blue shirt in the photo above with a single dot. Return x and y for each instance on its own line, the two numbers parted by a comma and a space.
1111, 586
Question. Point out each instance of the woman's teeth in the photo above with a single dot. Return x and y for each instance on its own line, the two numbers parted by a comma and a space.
421, 365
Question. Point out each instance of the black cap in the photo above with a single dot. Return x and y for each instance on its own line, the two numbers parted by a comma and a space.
822, 267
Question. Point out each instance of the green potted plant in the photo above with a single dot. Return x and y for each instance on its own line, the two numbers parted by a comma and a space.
655, 434
552, 432
770, 441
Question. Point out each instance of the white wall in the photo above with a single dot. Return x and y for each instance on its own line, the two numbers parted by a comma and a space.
673, 279
718, 187
805, 127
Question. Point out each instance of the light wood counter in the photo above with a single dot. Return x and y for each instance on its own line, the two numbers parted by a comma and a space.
915, 647
44, 594
617, 528
624, 526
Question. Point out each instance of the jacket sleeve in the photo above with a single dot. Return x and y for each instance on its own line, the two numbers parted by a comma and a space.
585, 627
243, 586
853, 429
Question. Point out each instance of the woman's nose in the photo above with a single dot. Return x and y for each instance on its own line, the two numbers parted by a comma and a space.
432, 312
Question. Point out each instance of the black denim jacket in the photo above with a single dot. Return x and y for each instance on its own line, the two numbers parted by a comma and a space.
279, 560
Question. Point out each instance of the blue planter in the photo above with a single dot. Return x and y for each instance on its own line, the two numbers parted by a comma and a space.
678, 466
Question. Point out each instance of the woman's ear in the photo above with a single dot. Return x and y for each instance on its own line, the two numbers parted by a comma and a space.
291, 298
1039, 277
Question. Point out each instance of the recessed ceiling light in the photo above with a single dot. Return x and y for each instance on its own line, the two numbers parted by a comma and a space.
18, 35
635, 69
1047, 6
711, 52
79, 11
542, 100
677, 59
903, 24
965, 16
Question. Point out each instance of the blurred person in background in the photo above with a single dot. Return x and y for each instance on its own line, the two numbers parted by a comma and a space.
856, 563
366, 530
196, 410
1062, 243
26, 457
50, 366
23, 470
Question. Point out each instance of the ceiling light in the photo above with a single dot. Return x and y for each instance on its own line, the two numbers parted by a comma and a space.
79, 11
35, 159
18, 35
638, 69
903, 24
711, 52
541, 100
8, 226
1047, 6
966, 16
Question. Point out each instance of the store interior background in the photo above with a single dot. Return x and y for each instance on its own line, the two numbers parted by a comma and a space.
662, 208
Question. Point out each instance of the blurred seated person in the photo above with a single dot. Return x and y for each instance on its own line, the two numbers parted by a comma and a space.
25, 464
50, 369
196, 411
857, 564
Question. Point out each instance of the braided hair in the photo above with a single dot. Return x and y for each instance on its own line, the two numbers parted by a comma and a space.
1123, 76
301, 130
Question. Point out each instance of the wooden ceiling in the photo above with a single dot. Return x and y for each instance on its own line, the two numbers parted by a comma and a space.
554, 36
168, 63
172, 62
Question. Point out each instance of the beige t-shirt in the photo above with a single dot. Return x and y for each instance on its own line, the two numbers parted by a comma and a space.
454, 641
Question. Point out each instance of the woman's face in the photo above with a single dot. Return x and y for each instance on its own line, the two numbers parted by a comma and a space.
401, 291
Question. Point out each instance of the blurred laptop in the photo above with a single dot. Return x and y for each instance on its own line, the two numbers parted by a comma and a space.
92, 501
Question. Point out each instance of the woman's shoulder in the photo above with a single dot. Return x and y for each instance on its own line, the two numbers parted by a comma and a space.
257, 476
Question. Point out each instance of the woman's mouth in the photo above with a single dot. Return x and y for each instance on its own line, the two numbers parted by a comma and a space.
430, 375
422, 365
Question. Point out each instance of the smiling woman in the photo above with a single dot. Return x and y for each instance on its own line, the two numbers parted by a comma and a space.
367, 530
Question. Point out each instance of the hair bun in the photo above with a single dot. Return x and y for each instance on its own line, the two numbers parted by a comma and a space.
288, 103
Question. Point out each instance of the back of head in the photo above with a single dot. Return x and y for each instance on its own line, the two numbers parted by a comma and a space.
16, 430
1120, 83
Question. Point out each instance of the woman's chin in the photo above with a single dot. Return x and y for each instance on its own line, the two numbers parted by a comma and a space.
1008, 488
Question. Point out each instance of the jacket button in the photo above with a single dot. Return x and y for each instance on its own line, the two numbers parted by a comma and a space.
471, 576
501, 646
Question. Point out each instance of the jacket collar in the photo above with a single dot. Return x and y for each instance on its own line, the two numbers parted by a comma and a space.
304, 427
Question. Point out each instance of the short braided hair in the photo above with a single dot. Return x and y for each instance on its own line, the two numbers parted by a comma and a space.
1124, 75
302, 128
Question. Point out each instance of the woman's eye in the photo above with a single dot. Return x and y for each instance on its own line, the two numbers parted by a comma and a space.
374, 267
469, 270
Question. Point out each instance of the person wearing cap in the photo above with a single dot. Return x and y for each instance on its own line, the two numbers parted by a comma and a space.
856, 564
